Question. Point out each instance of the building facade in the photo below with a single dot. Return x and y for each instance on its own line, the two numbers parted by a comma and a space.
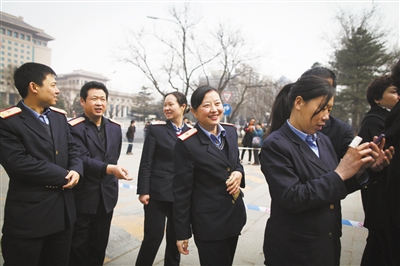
20, 43
70, 84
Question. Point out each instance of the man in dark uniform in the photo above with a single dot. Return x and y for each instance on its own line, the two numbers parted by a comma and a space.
40, 158
99, 140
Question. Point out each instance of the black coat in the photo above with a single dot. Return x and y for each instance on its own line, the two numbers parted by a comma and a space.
202, 204
96, 182
305, 199
156, 169
37, 165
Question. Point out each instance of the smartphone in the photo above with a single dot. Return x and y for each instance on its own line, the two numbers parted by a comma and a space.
379, 138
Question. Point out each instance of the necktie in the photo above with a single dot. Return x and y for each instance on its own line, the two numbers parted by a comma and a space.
312, 144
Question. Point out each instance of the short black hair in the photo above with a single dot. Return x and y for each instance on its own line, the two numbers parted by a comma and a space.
92, 85
30, 72
198, 95
377, 87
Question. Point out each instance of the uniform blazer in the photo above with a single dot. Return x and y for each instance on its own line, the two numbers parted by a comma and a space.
156, 169
202, 204
37, 164
305, 195
96, 182
340, 133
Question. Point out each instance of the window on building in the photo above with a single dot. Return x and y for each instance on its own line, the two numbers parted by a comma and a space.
39, 42
22, 51
28, 52
28, 38
9, 54
9, 48
34, 41
8, 60
9, 33
15, 55
3, 31
44, 44
15, 49
22, 57
15, 43
28, 58
22, 36
9, 42
16, 34
16, 61
22, 45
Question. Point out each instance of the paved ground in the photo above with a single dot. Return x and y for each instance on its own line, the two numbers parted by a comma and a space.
127, 224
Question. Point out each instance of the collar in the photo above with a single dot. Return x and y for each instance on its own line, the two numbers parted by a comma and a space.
215, 139
301, 135
46, 112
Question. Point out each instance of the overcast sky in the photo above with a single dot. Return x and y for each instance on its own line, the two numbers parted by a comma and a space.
289, 34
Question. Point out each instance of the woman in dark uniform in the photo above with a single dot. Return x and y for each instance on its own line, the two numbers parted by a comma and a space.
306, 182
208, 174
155, 181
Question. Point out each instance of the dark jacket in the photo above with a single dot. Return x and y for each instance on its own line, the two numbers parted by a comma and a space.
156, 169
202, 204
305, 198
37, 164
96, 182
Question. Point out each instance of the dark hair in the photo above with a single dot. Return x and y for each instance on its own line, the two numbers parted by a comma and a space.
377, 87
92, 85
396, 75
132, 121
308, 87
321, 72
198, 95
180, 98
30, 72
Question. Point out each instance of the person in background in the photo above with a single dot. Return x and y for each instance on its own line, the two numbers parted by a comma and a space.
391, 192
146, 126
306, 182
248, 136
99, 140
42, 161
155, 181
207, 181
257, 142
130, 135
382, 96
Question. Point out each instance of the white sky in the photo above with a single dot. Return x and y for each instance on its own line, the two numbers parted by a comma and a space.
289, 34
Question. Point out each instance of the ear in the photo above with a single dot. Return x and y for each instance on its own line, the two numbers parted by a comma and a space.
298, 102
193, 112
82, 102
376, 101
33, 88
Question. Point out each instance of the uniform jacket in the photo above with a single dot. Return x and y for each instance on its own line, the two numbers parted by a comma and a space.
156, 169
96, 182
37, 164
305, 196
340, 133
202, 204
372, 125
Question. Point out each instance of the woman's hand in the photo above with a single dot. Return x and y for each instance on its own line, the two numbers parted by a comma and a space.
383, 157
183, 246
233, 182
356, 160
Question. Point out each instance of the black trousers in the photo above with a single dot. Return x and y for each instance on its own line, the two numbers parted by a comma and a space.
220, 252
154, 226
48, 250
90, 237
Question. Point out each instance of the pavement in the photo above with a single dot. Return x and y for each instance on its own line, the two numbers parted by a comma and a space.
127, 224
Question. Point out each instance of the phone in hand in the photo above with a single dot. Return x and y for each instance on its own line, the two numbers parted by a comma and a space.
379, 138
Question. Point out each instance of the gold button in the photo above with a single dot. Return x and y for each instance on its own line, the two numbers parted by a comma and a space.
228, 169
56, 152
233, 202
330, 234
331, 206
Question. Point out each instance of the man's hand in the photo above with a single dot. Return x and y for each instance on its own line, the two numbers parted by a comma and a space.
73, 179
118, 171
144, 198
183, 246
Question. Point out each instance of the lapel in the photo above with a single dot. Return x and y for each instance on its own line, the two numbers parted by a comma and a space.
171, 130
305, 149
211, 148
33, 124
92, 134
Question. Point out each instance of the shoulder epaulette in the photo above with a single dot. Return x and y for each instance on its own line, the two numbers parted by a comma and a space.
73, 122
10, 112
188, 134
158, 123
58, 110
115, 122
227, 124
